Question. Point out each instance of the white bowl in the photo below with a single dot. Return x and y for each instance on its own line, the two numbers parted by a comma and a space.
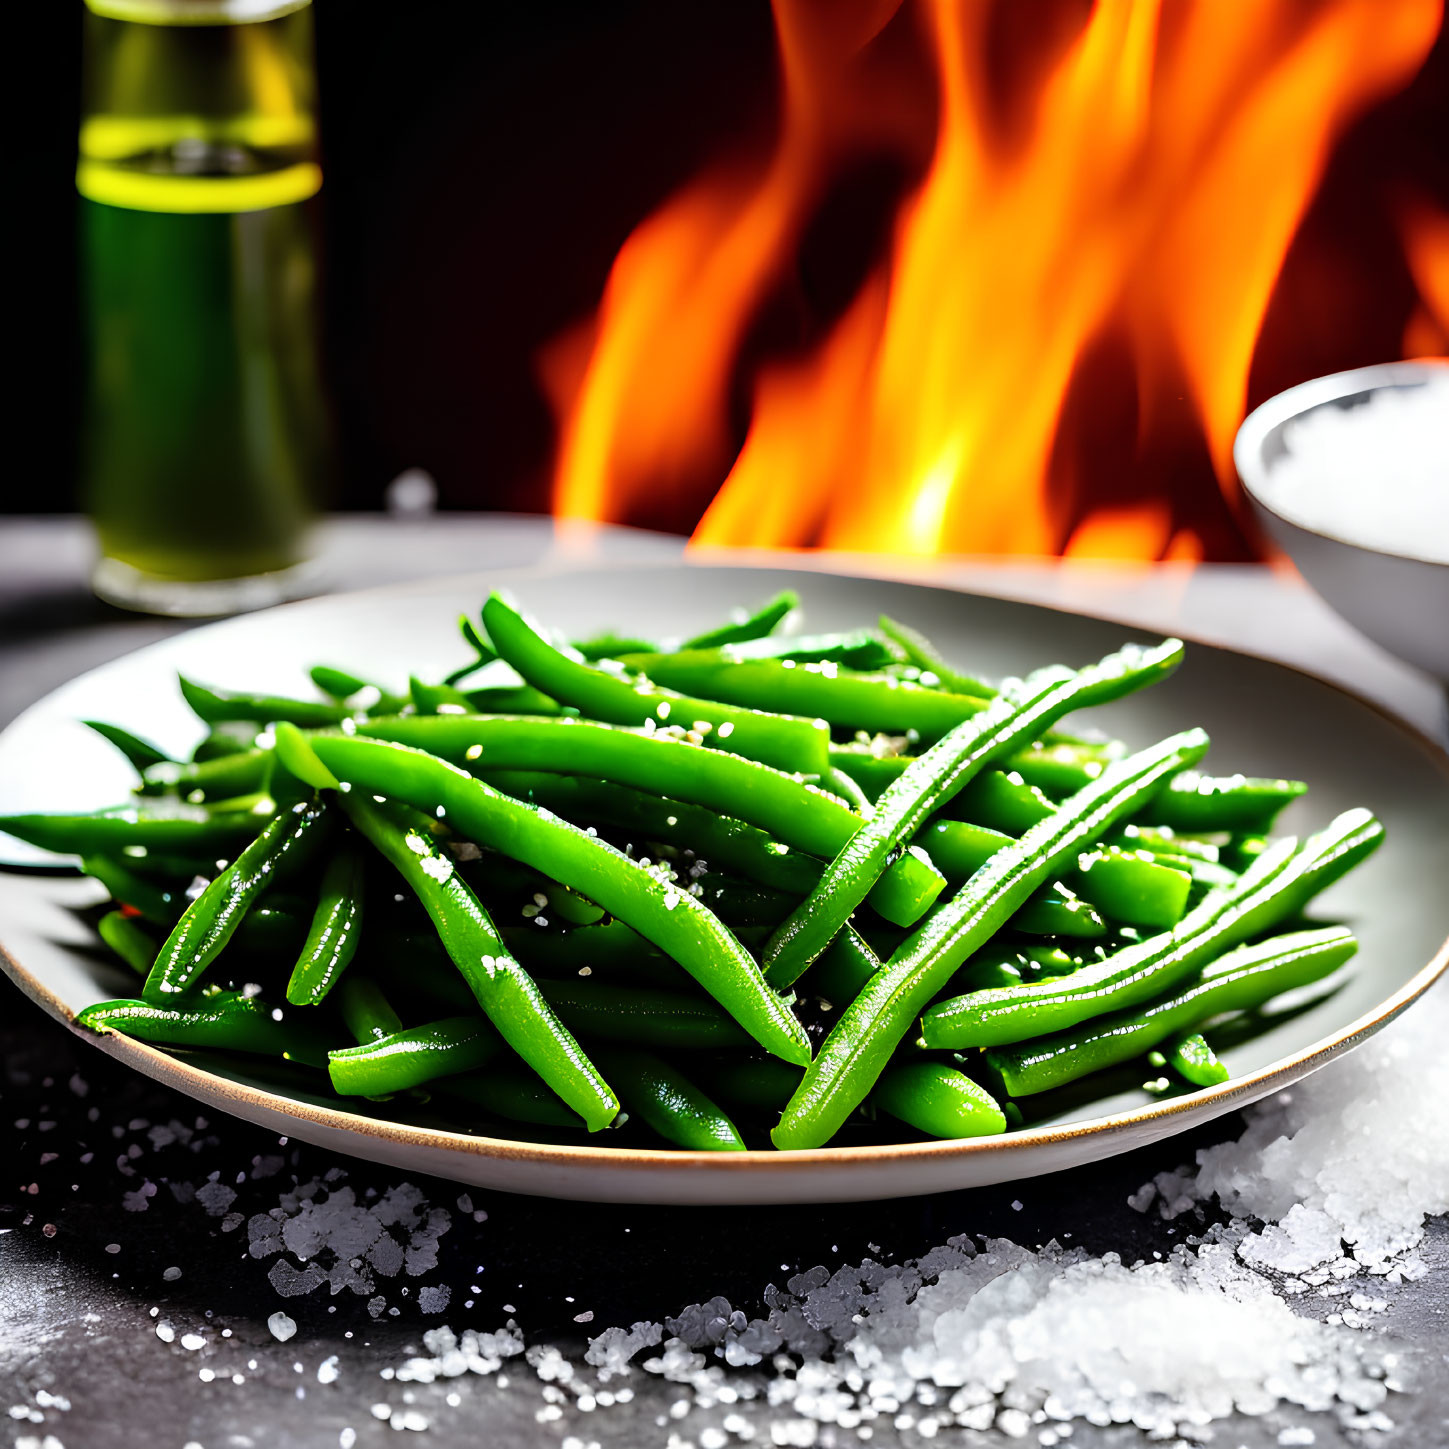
1398, 600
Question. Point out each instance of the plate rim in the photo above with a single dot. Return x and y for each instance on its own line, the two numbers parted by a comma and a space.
196, 1082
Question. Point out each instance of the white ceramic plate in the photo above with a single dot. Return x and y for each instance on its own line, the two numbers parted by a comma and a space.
1264, 719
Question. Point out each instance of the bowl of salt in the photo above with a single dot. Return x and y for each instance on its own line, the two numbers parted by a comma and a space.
1349, 476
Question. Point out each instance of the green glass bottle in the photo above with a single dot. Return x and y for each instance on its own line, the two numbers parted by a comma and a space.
205, 425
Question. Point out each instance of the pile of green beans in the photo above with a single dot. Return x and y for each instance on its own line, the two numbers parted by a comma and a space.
757, 887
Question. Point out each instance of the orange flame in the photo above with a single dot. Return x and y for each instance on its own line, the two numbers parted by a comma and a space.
1145, 196
1426, 242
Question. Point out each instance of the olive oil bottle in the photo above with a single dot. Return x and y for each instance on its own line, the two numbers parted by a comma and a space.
205, 426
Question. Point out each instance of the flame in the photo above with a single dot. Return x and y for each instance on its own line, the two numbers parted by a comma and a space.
1139, 195
1426, 244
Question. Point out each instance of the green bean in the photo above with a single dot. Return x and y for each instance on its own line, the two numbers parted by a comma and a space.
332, 937
959, 849
845, 700
127, 940
222, 778
438, 698
757, 625
1196, 859
1007, 959
1273, 890
1008, 963
271, 929
1165, 841
1193, 803
1131, 886
513, 1093
1240, 981
224, 1020
483, 654
1057, 767
855, 1052
218, 705
357, 693
514, 699
151, 902
1200, 872
714, 840
641, 1015
719, 840
841, 974
366, 1011
787, 742
341, 684
942, 774
611, 646
875, 774
997, 800
185, 829
795, 813
854, 648
141, 753
1137, 891
660, 1096
842, 970
1013, 1013
658, 910
208, 922
1200, 802
412, 1056
430, 699
837, 782
1056, 911
1204, 873
921, 652
507, 994
1190, 1056
569, 906
939, 1101
909, 673
225, 739
1001, 802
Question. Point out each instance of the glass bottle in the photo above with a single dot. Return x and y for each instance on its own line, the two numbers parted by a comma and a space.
204, 421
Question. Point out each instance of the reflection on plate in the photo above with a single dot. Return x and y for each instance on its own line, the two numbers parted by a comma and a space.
1263, 718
